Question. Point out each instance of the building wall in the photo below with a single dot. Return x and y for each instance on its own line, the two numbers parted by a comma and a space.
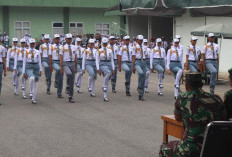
138, 25
1, 19
185, 24
92, 16
40, 19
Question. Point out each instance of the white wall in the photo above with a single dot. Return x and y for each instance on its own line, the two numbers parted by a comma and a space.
185, 24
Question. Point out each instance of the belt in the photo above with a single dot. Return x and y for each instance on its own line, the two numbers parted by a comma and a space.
32, 63
1, 63
211, 59
79, 58
20, 61
140, 59
175, 61
104, 60
115, 59
127, 61
158, 58
90, 59
192, 61
55, 60
11, 59
68, 61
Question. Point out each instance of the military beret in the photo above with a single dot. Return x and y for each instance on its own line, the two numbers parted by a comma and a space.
230, 71
193, 77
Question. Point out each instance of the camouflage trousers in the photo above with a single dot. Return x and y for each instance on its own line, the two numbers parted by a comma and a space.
178, 149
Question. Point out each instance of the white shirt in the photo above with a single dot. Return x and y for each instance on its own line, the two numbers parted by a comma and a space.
164, 44
148, 52
90, 54
114, 49
105, 54
55, 51
80, 51
174, 54
139, 52
11, 55
126, 53
33, 56
208, 50
21, 52
193, 56
2, 53
44, 49
157, 52
68, 52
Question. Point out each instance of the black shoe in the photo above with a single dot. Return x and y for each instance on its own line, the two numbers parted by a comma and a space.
71, 100
48, 92
114, 91
33, 102
141, 98
79, 91
175, 97
106, 100
92, 95
24, 97
160, 93
60, 96
128, 94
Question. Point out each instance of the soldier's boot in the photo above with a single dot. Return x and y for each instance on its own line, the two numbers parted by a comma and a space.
113, 86
71, 100
141, 92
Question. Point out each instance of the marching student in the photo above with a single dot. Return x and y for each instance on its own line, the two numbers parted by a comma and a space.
125, 62
44, 50
175, 64
89, 63
105, 65
32, 68
192, 55
139, 65
80, 52
114, 49
147, 52
54, 63
10, 59
210, 59
157, 62
18, 67
2, 65
68, 64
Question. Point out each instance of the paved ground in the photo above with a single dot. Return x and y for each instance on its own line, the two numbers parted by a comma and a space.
124, 127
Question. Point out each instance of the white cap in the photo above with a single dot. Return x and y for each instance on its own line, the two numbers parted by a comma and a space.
140, 37
178, 36
56, 36
68, 36
176, 40
104, 40
22, 40
32, 40
15, 40
210, 35
112, 37
91, 41
78, 39
193, 38
158, 40
145, 40
46, 36
127, 37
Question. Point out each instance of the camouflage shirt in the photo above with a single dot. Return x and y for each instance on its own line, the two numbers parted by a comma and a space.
197, 108
228, 103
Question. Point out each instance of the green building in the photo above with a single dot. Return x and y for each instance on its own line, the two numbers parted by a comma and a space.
18, 17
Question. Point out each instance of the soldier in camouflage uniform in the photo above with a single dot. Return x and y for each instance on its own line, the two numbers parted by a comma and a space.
196, 108
228, 98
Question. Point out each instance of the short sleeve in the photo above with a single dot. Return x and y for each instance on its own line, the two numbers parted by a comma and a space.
204, 49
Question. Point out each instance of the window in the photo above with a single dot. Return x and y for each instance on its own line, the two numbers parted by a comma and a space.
76, 28
57, 28
103, 28
21, 28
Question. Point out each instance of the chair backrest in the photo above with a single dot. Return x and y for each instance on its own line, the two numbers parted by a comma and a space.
218, 140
